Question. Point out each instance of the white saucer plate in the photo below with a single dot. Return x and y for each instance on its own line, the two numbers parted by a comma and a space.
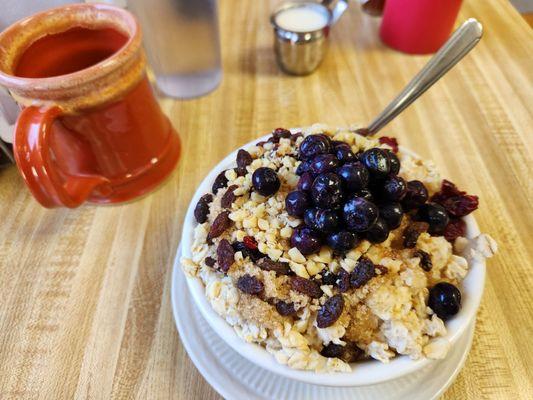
236, 378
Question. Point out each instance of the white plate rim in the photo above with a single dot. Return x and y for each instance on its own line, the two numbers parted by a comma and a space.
365, 373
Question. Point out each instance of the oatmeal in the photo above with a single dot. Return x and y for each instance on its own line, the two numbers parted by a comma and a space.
327, 247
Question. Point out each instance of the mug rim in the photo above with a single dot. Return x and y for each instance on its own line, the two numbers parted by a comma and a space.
127, 24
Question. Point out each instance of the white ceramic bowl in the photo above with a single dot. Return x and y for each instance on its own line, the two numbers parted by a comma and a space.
363, 373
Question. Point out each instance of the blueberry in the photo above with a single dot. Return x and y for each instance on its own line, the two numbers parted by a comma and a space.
296, 203
354, 176
310, 217
265, 181
392, 213
415, 195
303, 167
306, 240
343, 152
328, 277
394, 162
377, 162
326, 191
359, 214
379, 232
305, 182
365, 194
342, 241
322, 220
445, 300
324, 163
435, 215
394, 188
314, 145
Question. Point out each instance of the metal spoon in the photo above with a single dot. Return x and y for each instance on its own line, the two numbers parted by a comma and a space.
456, 47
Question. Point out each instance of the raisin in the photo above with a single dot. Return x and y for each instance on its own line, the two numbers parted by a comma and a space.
456, 202
281, 133
254, 255
306, 286
332, 350
455, 228
220, 182
362, 273
201, 211
328, 277
285, 308
225, 255
229, 197
250, 284
351, 353
425, 260
250, 242
382, 269
243, 160
343, 280
295, 136
280, 268
412, 232
390, 141
362, 131
220, 224
330, 311
348, 353
210, 261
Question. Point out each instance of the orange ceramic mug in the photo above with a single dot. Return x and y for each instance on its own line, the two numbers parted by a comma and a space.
90, 128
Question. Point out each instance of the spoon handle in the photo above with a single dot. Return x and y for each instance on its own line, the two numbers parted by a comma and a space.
456, 47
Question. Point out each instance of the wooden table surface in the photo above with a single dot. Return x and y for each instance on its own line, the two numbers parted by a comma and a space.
85, 305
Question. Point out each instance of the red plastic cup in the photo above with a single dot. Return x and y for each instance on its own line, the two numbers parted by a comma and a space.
418, 26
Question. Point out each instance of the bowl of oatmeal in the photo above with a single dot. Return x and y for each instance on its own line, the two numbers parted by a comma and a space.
333, 258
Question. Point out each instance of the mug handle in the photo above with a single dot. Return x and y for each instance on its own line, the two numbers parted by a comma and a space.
31, 147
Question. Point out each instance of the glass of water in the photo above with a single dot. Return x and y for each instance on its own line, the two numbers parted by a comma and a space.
182, 42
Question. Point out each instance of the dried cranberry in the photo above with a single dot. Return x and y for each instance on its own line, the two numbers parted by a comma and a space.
225, 255
201, 211
425, 260
243, 160
220, 224
285, 308
364, 271
330, 312
280, 268
220, 182
455, 228
456, 202
412, 232
343, 280
229, 197
250, 242
250, 284
210, 261
390, 141
306, 286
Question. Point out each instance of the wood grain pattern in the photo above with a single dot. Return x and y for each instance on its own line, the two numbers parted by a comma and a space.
85, 309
